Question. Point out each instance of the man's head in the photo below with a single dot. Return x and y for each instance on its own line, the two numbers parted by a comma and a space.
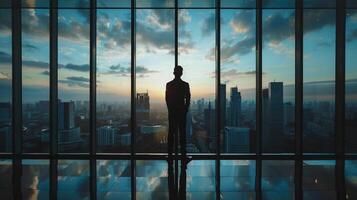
178, 71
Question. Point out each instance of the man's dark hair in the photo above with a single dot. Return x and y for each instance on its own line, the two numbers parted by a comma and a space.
177, 69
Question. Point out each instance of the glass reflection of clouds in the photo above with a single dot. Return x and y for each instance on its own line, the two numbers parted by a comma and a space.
113, 179
151, 179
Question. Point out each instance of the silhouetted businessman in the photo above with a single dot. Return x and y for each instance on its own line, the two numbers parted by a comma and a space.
178, 102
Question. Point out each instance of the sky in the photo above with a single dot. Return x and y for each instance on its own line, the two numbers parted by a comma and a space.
155, 52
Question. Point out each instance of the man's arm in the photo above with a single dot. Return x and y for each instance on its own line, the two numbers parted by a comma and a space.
167, 97
188, 97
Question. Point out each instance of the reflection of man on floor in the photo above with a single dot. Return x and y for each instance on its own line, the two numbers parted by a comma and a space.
178, 101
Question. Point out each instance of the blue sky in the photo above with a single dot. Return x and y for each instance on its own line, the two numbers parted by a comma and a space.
155, 58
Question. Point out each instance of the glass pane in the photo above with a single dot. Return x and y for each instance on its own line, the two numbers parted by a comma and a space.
151, 179
35, 80
278, 4
351, 179
6, 179
73, 179
319, 3
73, 3
196, 44
278, 179
5, 4
73, 80
319, 180
351, 82
351, 3
113, 179
155, 3
196, 3
35, 179
114, 3
238, 81
201, 180
278, 81
319, 81
155, 61
237, 179
35, 4
238, 4
113, 80
5, 81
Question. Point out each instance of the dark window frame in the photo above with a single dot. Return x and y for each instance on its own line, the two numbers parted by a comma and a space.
17, 155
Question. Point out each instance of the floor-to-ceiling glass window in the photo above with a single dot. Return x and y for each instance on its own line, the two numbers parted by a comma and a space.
238, 78
113, 132
123, 168
73, 76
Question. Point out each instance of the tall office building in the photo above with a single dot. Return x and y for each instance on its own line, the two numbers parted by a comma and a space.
235, 107
143, 106
210, 125
276, 109
68, 134
200, 105
265, 115
223, 104
106, 135
66, 115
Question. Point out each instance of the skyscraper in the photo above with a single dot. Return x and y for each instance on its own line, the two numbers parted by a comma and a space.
235, 107
68, 134
265, 116
106, 135
66, 115
223, 104
276, 109
210, 125
143, 106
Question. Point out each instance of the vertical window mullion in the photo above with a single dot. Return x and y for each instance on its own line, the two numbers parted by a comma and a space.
340, 97
218, 96
17, 97
133, 98
258, 73
93, 66
53, 97
298, 97
176, 178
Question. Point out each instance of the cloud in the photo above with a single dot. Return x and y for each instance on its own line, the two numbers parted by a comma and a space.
80, 68
29, 47
5, 25
119, 70
208, 26
4, 76
277, 28
243, 22
5, 57
76, 81
47, 73
352, 35
233, 73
